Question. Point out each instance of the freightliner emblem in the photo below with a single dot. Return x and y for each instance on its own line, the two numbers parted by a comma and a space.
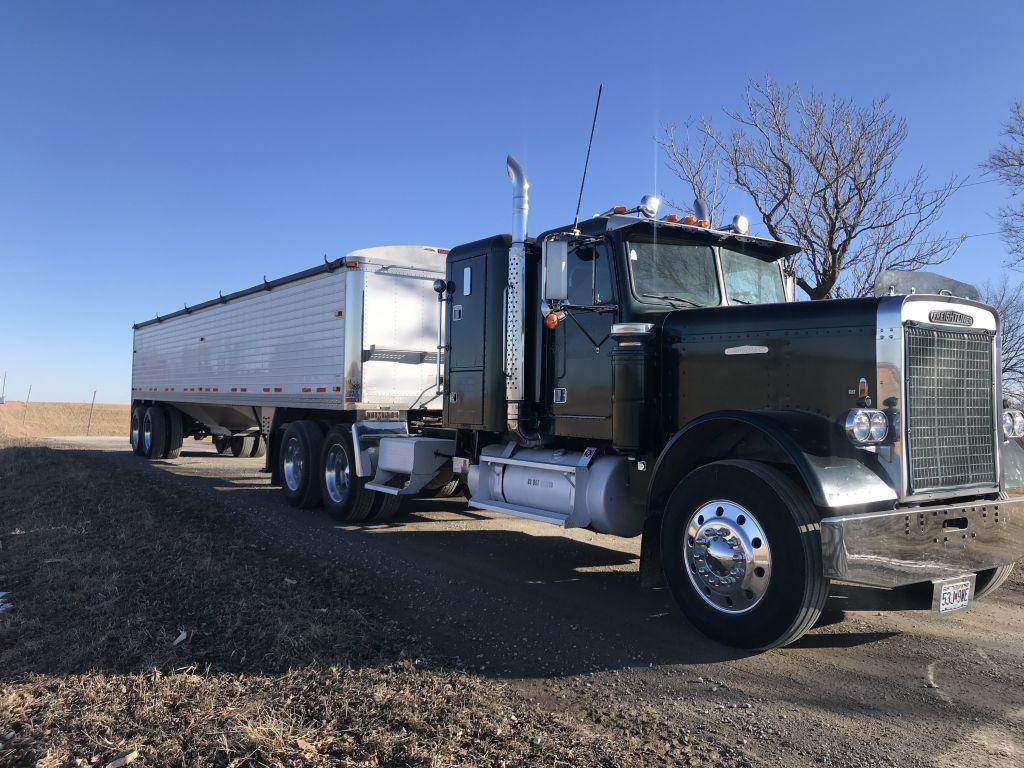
950, 317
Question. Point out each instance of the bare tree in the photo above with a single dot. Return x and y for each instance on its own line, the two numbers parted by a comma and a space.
698, 164
822, 174
1008, 299
1007, 163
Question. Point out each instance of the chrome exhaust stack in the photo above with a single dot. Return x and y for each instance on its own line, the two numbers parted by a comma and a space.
515, 306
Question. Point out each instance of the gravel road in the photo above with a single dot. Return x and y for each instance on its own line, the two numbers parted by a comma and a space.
559, 615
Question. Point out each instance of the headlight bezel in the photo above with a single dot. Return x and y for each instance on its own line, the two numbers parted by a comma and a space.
1016, 420
867, 427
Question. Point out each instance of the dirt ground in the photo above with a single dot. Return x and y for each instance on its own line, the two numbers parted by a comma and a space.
58, 419
451, 637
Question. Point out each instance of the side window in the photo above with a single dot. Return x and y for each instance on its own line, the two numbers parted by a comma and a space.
590, 276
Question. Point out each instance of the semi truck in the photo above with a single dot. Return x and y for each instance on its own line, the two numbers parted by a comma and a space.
630, 374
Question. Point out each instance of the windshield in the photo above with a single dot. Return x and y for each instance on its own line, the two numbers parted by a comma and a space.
750, 280
670, 271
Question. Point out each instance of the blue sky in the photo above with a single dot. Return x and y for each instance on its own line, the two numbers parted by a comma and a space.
151, 155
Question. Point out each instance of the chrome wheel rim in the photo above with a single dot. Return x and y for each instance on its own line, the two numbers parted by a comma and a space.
294, 464
336, 474
147, 433
728, 558
135, 430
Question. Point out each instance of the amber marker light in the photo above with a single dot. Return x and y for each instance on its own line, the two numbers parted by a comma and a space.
671, 218
704, 223
551, 321
691, 220
619, 209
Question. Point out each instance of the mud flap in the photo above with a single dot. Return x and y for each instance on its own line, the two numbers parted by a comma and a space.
651, 573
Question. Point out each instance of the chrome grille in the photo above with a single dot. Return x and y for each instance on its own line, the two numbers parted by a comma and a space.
950, 409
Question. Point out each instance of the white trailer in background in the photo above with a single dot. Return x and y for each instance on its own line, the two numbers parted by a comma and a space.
350, 347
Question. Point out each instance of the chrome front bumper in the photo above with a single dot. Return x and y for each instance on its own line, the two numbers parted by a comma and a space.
906, 546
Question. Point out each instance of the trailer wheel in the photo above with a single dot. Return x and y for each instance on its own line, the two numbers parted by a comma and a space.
175, 435
301, 446
242, 446
988, 581
259, 447
221, 443
741, 552
154, 432
345, 496
135, 433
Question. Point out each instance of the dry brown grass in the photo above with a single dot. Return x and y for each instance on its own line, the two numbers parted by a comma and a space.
62, 419
286, 661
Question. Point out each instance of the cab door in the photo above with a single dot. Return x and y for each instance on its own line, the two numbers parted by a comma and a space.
579, 391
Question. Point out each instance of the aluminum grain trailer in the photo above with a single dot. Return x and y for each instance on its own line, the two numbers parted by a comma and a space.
319, 363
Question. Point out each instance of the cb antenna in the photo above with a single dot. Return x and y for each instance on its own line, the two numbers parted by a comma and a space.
586, 163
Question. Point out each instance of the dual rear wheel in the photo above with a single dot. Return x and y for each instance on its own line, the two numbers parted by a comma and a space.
156, 431
318, 466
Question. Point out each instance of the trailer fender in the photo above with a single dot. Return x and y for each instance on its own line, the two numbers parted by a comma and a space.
834, 473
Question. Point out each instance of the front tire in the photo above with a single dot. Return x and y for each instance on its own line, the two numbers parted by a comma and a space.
988, 581
299, 462
741, 551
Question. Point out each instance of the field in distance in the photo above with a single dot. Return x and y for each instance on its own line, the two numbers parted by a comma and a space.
62, 419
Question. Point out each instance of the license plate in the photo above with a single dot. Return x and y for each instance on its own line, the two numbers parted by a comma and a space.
953, 594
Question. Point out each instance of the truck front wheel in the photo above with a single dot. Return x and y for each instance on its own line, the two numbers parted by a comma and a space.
741, 551
299, 460
990, 580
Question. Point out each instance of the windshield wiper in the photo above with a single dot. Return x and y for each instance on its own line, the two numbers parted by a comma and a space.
676, 299
740, 301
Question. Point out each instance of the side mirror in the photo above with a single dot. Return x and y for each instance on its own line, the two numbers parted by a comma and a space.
555, 259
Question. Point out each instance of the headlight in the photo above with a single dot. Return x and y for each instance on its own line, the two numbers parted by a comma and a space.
879, 427
866, 426
1013, 424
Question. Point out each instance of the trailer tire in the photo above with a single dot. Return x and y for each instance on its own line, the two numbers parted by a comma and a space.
988, 581
242, 447
259, 447
175, 434
345, 496
445, 491
221, 443
154, 432
135, 430
741, 552
299, 463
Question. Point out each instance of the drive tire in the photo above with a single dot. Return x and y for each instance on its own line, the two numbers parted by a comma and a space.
386, 507
445, 491
988, 581
345, 496
135, 430
154, 432
259, 447
175, 434
242, 447
764, 615
299, 463
221, 444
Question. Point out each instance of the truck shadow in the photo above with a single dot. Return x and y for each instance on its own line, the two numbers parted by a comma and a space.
501, 602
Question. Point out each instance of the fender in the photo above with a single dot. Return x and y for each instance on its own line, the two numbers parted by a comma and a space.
834, 473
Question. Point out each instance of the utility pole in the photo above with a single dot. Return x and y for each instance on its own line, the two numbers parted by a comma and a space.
89, 425
24, 416
3, 388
